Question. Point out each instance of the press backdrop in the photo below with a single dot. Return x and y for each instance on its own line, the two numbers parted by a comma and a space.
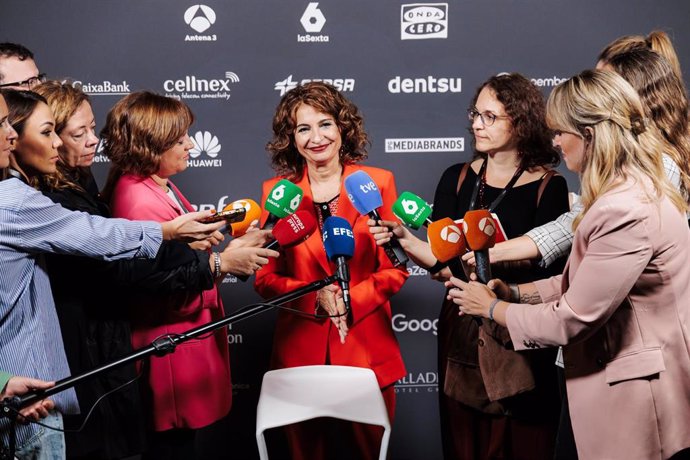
412, 69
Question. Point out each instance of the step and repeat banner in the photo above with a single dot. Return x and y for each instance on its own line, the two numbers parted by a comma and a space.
412, 69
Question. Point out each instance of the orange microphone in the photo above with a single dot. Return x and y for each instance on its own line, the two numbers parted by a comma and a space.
252, 216
446, 239
480, 232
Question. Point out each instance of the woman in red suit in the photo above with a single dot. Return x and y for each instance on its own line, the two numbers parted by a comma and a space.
318, 138
146, 139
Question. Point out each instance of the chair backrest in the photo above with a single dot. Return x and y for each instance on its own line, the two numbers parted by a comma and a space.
295, 394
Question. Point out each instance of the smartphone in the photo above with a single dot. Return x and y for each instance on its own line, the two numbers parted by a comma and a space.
231, 216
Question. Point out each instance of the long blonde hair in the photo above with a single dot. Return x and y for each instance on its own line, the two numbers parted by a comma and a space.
619, 144
657, 41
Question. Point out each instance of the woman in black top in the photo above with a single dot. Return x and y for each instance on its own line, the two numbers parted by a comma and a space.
496, 403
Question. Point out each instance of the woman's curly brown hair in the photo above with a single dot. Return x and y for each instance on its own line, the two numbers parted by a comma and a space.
525, 106
285, 159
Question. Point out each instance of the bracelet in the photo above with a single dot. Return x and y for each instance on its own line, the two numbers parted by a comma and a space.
217, 273
514, 292
491, 308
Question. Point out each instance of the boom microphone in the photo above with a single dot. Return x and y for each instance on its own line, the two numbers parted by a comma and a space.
366, 198
251, 216
292, 230
339, 242
283, 200
412, 210
480, 232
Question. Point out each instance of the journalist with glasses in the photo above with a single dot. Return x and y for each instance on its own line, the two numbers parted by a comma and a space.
18, 69
493, 398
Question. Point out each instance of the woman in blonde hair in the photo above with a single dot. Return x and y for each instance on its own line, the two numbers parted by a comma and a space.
620, 309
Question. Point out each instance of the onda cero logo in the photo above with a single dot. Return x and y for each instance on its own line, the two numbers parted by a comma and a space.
200, 18
423, 20
205, 145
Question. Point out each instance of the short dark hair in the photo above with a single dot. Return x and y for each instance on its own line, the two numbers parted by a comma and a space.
21, 52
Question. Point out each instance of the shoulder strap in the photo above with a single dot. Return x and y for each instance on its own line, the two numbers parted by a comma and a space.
461, 178
544, 180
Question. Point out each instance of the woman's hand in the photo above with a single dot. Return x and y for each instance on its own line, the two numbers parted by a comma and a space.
330, 298
253, 238
213, 240
442, 275
244, 260
473, 298
383, 231
188, 227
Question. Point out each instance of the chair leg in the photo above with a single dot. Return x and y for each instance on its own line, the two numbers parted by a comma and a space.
261, 444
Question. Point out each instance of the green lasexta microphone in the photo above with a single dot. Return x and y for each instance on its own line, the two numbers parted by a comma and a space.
412, 210
283, 200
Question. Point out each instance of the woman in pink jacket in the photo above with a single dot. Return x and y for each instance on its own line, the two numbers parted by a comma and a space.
620, 309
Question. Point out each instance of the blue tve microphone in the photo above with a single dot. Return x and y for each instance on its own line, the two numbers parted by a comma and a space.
366, 198
339, 242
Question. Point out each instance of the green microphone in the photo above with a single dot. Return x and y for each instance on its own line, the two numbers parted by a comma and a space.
412, 210
283, 200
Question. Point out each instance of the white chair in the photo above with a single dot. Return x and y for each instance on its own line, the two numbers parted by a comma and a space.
301, 393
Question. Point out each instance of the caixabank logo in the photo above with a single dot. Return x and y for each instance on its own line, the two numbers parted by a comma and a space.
200, 18
205, 152
312, 21
103, 88
341, 84
194, 87
420, 21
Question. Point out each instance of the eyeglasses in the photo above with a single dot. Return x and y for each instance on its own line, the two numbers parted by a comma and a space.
487, 118
29, 83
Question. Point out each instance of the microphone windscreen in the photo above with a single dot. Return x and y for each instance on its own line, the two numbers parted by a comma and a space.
480, 229
252, 215
338, 238
363, 192
446, 239
283, 199
411, 210
294, 229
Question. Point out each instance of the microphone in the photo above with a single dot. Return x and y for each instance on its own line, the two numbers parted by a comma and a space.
480, 232
446, 240
292, 230
339, 242
283, 200
366, 198
412, 210
251, 216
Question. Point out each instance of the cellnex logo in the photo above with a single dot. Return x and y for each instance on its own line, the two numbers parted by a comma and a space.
312, 21
341, 84
423, 20
425, 144
427, 84
206, 144
192, 87
104, 88
200, 18
416, 382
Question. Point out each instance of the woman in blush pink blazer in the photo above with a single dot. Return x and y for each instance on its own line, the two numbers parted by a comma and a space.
146, 139
620, 309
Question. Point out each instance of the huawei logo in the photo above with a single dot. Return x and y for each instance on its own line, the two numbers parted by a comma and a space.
204, 142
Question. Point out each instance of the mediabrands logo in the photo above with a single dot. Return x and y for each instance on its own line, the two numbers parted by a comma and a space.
200, 18
428, 84
205, 144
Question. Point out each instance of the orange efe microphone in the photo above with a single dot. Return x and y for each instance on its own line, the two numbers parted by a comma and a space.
252, 216
446, 239
480, 231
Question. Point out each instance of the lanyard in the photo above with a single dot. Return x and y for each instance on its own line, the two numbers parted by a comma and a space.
477, 185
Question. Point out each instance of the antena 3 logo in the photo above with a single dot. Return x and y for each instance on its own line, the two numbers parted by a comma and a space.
312, 21
423, 20
208, 145
200, 18
192, 87
341, 84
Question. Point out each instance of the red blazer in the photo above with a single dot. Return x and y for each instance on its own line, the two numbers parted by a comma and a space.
190, 388
301, 340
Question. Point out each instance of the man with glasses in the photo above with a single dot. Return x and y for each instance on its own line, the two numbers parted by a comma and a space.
17, 67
